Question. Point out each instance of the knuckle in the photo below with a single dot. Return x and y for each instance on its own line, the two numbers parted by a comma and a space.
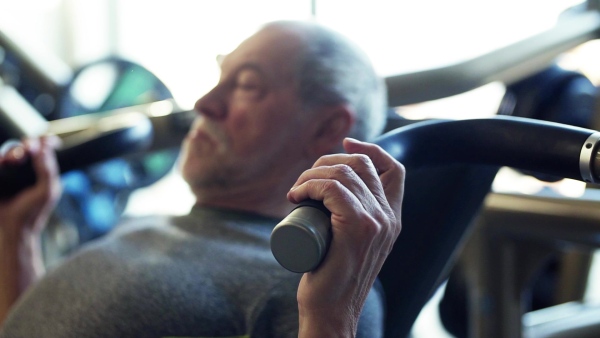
400, 167
331, 186
361, 160
342, 169
371, 228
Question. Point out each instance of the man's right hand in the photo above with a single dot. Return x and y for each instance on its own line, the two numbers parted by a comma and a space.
24, 217
363, 189
28, 211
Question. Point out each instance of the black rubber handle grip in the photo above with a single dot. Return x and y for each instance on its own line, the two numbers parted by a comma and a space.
81, 151
301, 240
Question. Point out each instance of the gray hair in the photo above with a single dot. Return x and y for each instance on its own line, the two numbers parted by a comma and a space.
334, 70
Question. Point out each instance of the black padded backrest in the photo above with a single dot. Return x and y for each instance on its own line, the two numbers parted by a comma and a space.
439, 205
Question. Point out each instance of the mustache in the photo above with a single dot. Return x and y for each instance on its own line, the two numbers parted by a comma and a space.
210, 128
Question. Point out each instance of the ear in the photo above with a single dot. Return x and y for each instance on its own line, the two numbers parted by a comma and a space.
333, 124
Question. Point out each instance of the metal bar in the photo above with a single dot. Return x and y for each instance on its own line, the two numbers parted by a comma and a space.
507, 65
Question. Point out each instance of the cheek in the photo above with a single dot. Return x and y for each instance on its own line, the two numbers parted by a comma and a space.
263, 127
251, 131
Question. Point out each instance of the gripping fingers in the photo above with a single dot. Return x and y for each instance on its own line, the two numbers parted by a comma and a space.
391, 172
44, 160
336, 197
341, 174
358, 163
12, 154
46, 167
47, 187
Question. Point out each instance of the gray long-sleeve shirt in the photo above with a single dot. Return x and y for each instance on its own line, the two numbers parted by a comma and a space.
208, 274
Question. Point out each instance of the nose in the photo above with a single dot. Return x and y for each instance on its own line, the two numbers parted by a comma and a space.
212, 105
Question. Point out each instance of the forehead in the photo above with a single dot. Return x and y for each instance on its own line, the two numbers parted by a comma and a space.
275, 51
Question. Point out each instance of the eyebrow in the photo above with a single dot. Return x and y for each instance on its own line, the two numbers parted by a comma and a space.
250, 66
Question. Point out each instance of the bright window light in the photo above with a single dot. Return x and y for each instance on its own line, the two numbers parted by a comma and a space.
180, 40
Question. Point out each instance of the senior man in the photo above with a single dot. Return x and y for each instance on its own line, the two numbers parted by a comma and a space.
279, 127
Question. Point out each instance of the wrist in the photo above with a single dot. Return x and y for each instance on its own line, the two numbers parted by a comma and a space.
21, 255
330, 323
19, 238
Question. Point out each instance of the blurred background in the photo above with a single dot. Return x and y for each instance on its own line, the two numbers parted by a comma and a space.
178, 42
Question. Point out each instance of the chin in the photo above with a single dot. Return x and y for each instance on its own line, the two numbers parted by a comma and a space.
202, 173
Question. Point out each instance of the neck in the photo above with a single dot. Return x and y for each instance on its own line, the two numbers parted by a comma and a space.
260, 198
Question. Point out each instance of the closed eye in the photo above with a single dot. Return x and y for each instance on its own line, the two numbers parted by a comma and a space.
249, 83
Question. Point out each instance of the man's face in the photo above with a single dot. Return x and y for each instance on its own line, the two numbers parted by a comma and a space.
250, 125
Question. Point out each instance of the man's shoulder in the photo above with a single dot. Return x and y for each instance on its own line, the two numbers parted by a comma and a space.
122, 245
130, 225
137, 230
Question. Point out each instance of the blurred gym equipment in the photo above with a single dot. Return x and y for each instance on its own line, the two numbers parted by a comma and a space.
97, 176
441, 202
553, 94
